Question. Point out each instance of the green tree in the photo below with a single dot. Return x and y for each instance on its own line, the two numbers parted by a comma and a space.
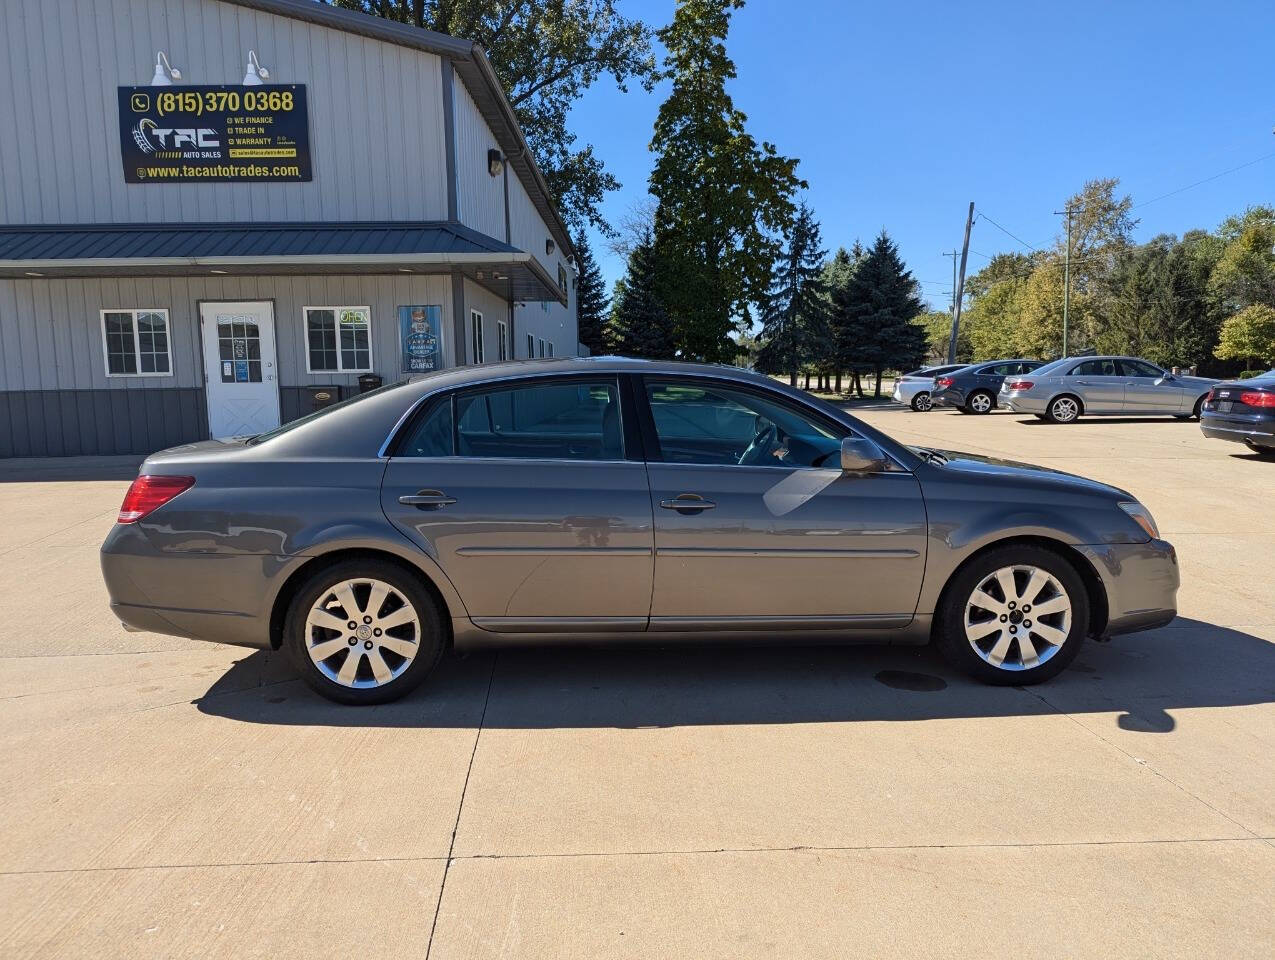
1245, 271
591, 299
1249, 336
881, 299
547, 53
937, 325
640, 324
723, 199
795, 330
846, 331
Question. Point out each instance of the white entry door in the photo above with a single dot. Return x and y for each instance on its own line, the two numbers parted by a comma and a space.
239, 355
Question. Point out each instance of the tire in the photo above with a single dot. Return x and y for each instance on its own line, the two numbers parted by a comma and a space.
980, 402
972, 637
1199, 405
392, 659
1064, 409
921, 402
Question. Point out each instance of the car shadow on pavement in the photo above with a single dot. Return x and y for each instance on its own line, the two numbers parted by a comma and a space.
1141, 678
1034, 421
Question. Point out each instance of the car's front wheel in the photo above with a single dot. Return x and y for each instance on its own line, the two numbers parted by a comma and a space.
363, 631
921, 402
1015, 615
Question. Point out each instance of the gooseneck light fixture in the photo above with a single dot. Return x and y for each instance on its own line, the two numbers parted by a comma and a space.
256, 74
165, 72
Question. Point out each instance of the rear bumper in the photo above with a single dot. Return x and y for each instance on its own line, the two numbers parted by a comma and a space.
1260, 433
218, 597
1021, 403
1141, 581
951, 397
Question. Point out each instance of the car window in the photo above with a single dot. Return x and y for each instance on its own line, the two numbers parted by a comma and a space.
1030, 365
1096, 368
1140, 368
433, 435
699, 423
1001, 369
555, 420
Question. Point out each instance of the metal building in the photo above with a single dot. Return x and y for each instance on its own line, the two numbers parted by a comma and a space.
217, 214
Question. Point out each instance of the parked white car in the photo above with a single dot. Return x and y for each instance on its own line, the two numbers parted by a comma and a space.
914, 388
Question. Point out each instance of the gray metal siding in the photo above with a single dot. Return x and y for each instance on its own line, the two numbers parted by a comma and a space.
376, 114
51, 335
47, 423
480, 200
493, 309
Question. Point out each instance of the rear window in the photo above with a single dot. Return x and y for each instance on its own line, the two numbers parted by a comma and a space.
311, 417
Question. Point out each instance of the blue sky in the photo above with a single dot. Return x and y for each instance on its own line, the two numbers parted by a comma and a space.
901, 113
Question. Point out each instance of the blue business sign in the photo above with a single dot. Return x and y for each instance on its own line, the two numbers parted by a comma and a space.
419, 335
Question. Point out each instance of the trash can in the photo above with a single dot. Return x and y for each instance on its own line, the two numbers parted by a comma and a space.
321, 397
369, 381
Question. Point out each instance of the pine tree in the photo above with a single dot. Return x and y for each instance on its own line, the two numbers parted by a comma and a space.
640, 325
591, 299
722, 198
880, 304
795, 330
836, 277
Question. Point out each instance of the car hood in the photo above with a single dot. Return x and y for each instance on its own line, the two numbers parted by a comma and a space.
978, 465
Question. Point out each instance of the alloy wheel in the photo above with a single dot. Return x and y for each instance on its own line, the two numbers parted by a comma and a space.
922, 402
1065, 409
980, 403
1018, 617
362, 633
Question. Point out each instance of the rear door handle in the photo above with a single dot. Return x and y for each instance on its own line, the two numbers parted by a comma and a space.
427, 500
688, 503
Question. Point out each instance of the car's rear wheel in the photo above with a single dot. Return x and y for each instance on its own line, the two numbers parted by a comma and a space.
1016, 615
363, 632
921, 402
980, 401
1064, 409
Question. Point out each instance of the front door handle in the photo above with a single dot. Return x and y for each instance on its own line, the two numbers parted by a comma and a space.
688, 503
427, 500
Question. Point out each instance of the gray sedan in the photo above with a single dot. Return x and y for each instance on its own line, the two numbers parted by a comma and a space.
1067, 389
619, 500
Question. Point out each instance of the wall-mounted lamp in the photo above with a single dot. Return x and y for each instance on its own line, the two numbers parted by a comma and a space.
165, 72
495, 162
549, 246
256, 74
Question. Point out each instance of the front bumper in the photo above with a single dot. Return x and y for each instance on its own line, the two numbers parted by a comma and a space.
1141, 582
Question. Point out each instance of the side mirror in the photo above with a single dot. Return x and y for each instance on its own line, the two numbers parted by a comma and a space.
1166, 378
861, 455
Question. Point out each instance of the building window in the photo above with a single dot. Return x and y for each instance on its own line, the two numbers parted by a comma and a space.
135, 343
531, 346
551, 348
476, 332
338, 339
542, 346
502, 348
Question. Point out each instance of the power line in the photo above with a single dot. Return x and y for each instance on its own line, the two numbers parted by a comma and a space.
1197, 183
983, 216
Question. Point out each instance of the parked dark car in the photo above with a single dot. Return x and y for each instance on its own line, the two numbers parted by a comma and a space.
974, 389
913, 387
1242, 411
619, 500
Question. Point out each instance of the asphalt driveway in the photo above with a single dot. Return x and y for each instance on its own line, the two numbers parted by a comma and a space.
166, 798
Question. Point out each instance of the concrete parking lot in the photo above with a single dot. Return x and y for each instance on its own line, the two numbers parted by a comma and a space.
166, 798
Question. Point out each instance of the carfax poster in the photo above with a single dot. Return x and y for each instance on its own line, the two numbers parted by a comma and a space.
419, 335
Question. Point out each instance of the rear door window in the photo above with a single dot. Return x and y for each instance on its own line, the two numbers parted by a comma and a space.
554, 420
1096, 368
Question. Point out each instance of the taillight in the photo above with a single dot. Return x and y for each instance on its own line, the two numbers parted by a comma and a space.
148, 493
1255, 398
1020, 385
1209, 398
943, 382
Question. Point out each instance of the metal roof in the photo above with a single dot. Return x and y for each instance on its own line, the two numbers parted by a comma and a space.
470, 63
137, 249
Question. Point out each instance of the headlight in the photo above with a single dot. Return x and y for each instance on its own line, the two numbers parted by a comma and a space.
1142, 517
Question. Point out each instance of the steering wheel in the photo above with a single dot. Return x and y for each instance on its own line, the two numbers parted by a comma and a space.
761, 446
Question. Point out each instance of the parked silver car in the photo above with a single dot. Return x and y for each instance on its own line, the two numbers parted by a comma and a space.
915, 386
619, 500
1067, 389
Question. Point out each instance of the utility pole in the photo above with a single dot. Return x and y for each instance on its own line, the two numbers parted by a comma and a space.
960, 287
1066, 274
953, 255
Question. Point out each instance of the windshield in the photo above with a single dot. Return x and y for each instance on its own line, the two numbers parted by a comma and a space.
293, 424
